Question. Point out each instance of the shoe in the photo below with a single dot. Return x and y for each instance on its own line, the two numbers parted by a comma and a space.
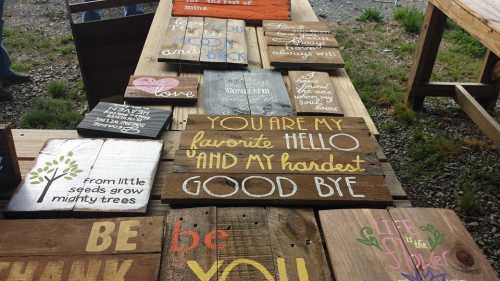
15, 78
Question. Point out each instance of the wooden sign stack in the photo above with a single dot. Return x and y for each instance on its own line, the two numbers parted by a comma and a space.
245, 93
162, 90
301, 45
254, 10
315, 161
213, 41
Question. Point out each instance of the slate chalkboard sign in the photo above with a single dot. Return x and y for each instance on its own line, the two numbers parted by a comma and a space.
118, 120
245, 93
162, 90
90, 175
10, 175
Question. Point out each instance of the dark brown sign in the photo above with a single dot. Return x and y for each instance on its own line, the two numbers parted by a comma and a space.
10, 175
243, 92
305, 57
197, 40
275, 123
162, 90
222, 244
125, 249
296, 27
119, 120
313, 93
301, 39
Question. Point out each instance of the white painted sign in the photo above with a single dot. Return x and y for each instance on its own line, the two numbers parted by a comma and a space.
96, 175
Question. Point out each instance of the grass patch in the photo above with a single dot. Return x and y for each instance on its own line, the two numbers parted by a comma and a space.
410, 18
57, 89
21, 66
371, 15
464, 43
50, 113
467, 201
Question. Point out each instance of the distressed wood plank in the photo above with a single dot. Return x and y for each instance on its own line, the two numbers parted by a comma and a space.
174, 39
10, 175
305, 57
225, 93
279, 38
213, 45
161, 90
191, 49
236, 42
296, 26
267, 94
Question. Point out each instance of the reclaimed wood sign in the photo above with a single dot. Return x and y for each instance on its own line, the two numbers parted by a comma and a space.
162, 90
10, 175
223, 244
301, 44
244, 92
119, 120
313, 93
118, 249
309, 161
205, 41
90, 175
402, 244
255, 10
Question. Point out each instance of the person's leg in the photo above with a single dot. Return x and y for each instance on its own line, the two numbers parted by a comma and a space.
135, 9
91, 15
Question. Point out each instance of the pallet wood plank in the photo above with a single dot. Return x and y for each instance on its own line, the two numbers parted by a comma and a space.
295, 26
313, 93
62, 237
267, 94
213, 45
365, 246
184, 246
236, 42
174, 39
161, 90
191, 49
279, 38
440, 245
305, 57
10, 175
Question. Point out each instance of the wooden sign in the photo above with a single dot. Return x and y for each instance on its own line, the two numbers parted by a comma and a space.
234, 9
298, 161
318, 27
223, 244
305, 57
313, 93
90, 175
125, 249
119, 120
402, 244
162, 90
275, 123
245, 93
10, 175
197, 40
301, 44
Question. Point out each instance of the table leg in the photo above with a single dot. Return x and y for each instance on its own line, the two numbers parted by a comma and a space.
425, 57
490, 75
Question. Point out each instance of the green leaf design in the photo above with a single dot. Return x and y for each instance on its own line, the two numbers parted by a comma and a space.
61, 158
68, 178
367, 237
55, 162
34, 182
70, 153
436, 237
46, 169
48, 164
40, 170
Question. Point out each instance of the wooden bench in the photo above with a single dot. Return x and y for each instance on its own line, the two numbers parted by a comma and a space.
482, 20
108, 49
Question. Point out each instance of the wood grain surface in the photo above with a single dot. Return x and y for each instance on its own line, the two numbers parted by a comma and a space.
162, 90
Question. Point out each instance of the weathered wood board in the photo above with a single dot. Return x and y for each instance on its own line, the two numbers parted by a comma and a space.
275, 123
126, 249
359, 142
235, 9
279, 38
313, 93
402, 244
245, 93
269, 189
90, 175
162, 90
305, 57
119, 120
296, 26
243, 244
206, 41
299, 161
10, 175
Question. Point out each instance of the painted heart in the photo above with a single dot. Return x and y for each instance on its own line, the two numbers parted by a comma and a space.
154, 86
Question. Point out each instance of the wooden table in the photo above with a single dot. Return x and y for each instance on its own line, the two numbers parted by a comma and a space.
29, 142
482, 20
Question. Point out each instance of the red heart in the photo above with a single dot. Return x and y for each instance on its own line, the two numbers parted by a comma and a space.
153, 86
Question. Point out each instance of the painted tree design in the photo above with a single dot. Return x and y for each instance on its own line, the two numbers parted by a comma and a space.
63, 166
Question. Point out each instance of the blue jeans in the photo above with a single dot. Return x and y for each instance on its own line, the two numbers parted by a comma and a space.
4, 56
129, 10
